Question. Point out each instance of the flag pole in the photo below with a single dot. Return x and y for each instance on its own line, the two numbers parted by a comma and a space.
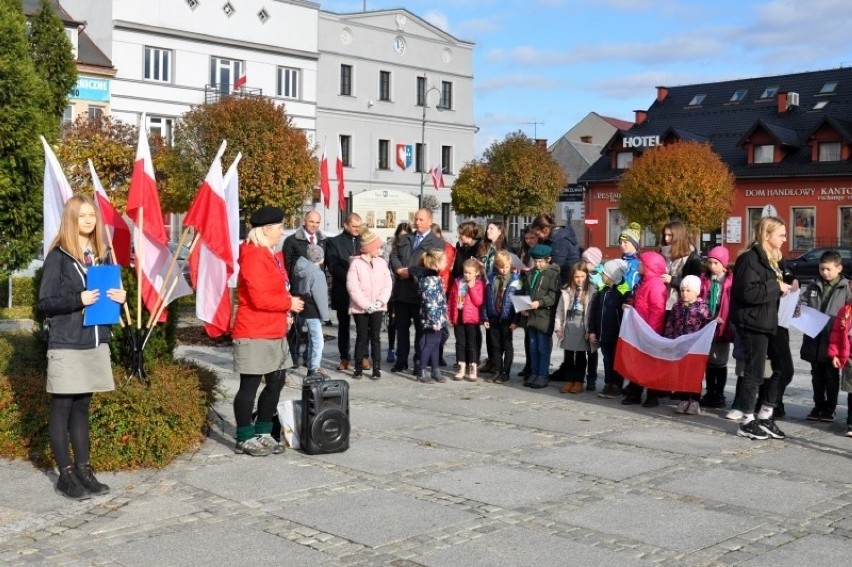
139, 253
168, 277
108, 238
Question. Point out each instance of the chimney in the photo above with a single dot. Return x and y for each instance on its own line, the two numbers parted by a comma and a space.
541, 143
782, 102
586, 139
662, 93
641, 115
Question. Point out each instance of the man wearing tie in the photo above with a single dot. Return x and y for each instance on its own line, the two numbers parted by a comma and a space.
296, 245
408, 253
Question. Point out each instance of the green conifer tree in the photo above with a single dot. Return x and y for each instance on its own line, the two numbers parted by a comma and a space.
53, 56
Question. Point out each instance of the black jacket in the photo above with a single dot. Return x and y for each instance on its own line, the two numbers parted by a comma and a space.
606, 313
62, 282
406, 257
296, 246
566, 251
755, 293
339, 251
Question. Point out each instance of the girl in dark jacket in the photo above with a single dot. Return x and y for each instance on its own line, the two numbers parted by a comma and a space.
756, 291
78, 362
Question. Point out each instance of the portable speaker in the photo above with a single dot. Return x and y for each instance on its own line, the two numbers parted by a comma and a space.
325, 416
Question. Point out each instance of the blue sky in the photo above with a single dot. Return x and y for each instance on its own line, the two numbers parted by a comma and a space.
552, 62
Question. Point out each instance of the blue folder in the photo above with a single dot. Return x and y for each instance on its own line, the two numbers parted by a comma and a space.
104, 311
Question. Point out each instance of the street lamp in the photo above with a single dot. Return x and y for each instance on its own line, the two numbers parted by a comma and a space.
423, 136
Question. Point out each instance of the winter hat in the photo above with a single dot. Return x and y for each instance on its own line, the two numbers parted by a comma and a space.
720, 254
315, 253
370, 242
614, 269
540, 251
266, 215
593, 255
692, 283
631, 233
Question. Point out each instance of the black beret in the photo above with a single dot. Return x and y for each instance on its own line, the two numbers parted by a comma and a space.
266, 215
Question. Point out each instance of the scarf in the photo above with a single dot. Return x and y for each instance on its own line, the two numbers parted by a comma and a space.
714, 299
498, 299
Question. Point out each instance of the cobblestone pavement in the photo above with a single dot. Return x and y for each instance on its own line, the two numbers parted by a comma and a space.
464, 474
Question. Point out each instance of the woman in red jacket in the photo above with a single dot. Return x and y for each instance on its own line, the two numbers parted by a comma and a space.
260, 331
465, 311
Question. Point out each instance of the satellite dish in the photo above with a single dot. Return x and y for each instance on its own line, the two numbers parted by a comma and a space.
769, 211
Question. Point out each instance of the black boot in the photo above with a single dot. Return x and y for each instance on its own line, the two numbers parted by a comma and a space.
87, 478
377, 369
69, 485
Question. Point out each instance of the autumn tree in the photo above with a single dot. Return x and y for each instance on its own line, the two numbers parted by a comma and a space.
24, 115
111, 145
684, 181
278, 167
514, 177
53, 56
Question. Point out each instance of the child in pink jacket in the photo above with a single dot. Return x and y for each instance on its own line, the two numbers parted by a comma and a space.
716, 284
465, 310
649, 301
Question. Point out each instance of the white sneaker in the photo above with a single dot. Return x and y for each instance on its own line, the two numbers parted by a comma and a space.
734, 415
682, 406
693, 408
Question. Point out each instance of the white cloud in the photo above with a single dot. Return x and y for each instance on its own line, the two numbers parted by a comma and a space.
523, 81
437, 19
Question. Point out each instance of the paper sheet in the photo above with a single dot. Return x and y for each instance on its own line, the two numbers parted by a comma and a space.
521, 302
811, 321
787, 307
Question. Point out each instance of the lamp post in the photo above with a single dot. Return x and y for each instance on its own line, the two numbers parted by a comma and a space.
423, 136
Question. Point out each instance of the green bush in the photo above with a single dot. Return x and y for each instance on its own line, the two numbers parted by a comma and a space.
23, 291
136, 425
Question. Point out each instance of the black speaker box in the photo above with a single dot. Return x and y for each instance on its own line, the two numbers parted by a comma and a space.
325, 416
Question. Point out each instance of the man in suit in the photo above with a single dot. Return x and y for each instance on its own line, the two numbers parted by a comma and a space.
339, 251
296, 245
408, 253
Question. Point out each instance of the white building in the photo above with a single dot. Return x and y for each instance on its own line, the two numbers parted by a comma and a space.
395, 94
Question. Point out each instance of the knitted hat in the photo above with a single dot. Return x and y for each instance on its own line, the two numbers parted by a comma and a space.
266, 215
692, 283
540, 251
593, 255
370, 242
614, 269
631, 233
720, 254
315, 253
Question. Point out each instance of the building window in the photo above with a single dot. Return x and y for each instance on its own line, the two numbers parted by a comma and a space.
419, 157
421, 91
96, 111
845, 225
829, 151
384, 85
345, 149
697, 99
346, 80
828, 88
384, 154
447, 159
770, 92
820, 105
615, 223
68, 115
163, 126
803, 228
623, 160
224, 73
739, 95
754, 215
764, 153
158, 64
446, 95
288, 82
445, 216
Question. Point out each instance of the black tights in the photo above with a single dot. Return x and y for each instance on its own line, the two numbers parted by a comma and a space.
69, 417
267, 403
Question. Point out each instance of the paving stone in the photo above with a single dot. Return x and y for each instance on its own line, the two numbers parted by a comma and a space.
479, 437
596, 461
812, 551
806, 462
384, 456
382, 418
693, 442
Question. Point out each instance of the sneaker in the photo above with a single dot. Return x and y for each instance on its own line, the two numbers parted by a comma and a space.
815, 414
69, 485
692, 408
501, 378
399, 367
610, 391
377, 374
768, 425
827, 416
88, 480
752, 430
682, 406
631, 400
849, 431
734, 415
391, 356
253, 447
439, 378
268, 441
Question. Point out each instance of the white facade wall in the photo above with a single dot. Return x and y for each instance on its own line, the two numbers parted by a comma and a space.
368, 42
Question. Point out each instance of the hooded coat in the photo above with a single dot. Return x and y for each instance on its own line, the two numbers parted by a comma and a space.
313, 288
650, 295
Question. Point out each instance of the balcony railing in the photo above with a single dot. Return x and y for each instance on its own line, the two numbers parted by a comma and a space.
215, 92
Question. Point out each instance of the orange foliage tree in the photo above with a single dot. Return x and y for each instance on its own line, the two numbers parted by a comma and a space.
514, 177
685, 181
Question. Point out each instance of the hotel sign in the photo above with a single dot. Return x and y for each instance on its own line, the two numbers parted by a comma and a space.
640, 141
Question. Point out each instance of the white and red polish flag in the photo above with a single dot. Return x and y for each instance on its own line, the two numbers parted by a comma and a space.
673, 365
437, 174
240, 82
232, 203
325, 188
152, 244
208, 215
341, 185
112, 221
56, 192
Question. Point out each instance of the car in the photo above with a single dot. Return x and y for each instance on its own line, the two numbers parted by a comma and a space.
806, 266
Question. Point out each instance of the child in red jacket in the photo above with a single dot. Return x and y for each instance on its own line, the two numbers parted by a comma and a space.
838, 349
465, 311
